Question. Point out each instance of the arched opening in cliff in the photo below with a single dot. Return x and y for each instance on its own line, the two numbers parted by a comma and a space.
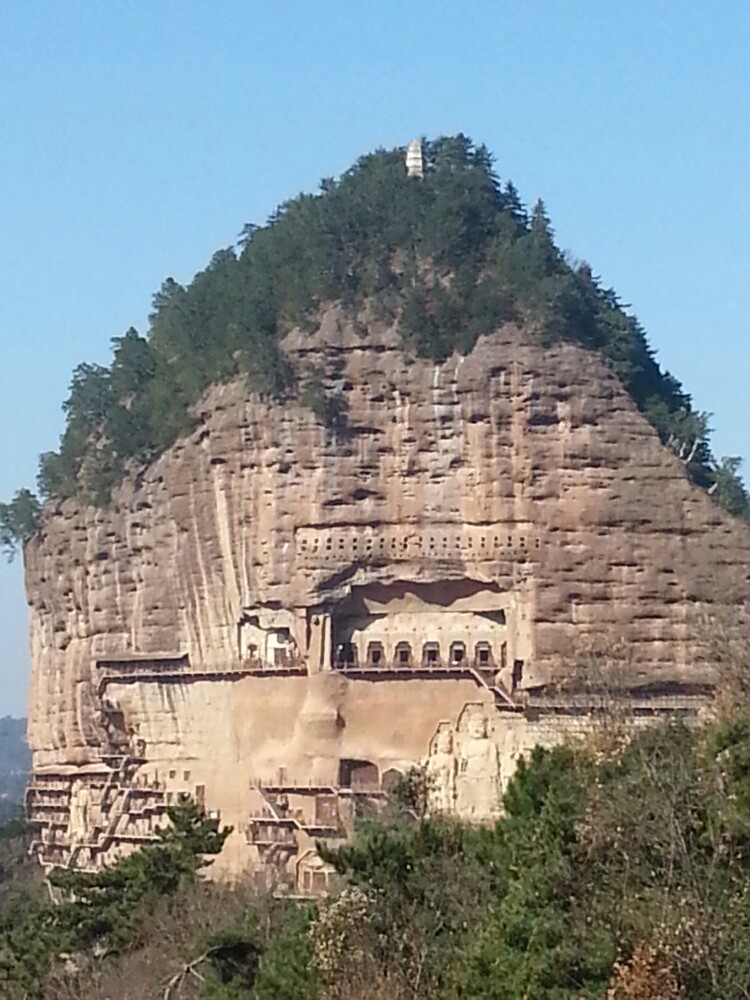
483, 656
402, 655
375, 654
358, 774
458, 654
431, 654
265, 639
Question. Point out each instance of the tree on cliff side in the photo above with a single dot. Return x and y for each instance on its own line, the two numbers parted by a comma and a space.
19, 520
728, 487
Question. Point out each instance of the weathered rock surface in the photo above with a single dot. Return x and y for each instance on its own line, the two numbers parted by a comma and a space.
522, 469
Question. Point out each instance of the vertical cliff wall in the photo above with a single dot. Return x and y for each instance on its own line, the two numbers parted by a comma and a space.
518, 484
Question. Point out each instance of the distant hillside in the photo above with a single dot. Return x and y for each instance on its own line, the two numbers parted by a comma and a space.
15, 763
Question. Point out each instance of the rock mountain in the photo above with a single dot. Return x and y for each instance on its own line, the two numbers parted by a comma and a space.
464, 539
280, 620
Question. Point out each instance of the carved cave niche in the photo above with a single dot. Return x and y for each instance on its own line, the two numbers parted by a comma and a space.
375, 654
484, 658
281, 647
316, 882
431, 654
356, 774
313, 876
458, 654
249, 639
265, 641
402, 655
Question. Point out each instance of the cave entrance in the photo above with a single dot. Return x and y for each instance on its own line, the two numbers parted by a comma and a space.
458, 654
375, 654
402, 656
483, 657
431, 654
356, 774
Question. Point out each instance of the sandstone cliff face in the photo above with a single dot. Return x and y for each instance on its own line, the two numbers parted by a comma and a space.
522, 467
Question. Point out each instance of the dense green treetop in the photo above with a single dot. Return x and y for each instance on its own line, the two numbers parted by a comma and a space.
451, 256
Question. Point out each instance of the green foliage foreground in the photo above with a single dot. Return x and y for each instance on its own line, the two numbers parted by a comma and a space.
621, 875
450, 257
100, 913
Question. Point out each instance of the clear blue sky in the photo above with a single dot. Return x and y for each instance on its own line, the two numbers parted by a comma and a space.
137, 138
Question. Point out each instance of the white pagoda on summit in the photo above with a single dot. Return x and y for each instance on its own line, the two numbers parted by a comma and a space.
415, 159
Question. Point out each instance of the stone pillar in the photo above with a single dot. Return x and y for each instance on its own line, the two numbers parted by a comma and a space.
319, 645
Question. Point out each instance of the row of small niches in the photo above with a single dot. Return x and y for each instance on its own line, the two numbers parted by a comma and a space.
423, 543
